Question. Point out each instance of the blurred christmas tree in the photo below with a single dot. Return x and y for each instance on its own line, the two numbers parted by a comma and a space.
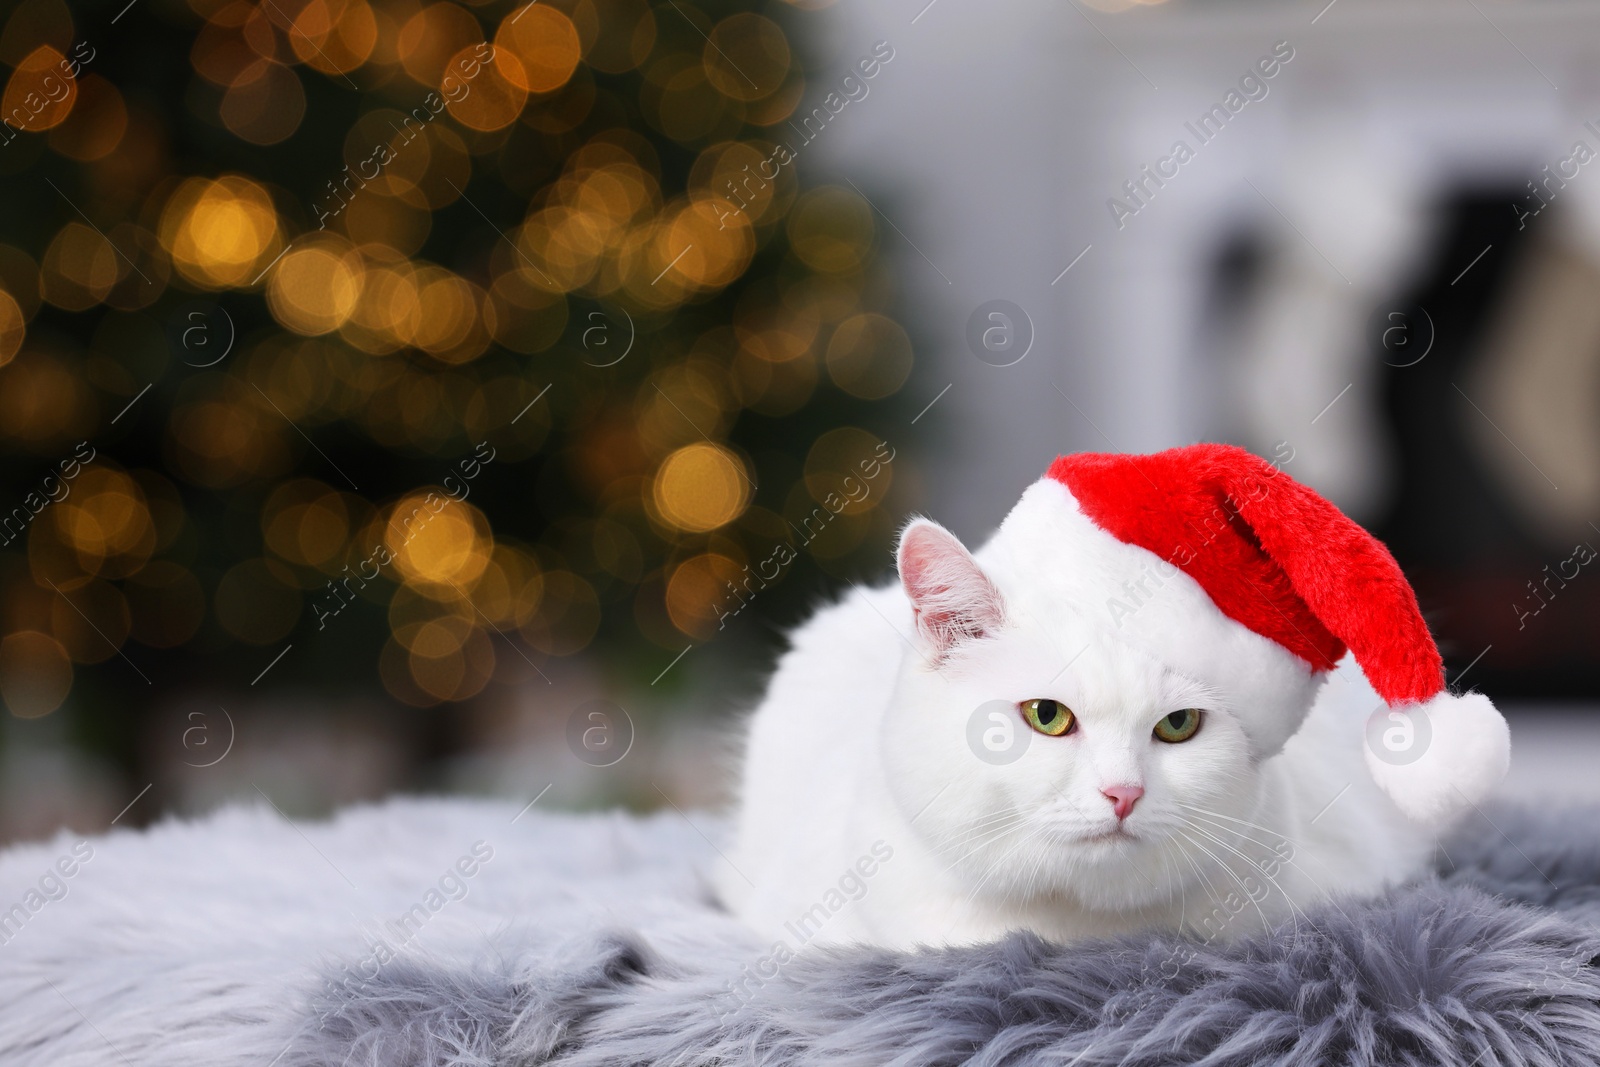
432, 340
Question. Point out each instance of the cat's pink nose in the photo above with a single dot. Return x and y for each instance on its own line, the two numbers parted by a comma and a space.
1122, 797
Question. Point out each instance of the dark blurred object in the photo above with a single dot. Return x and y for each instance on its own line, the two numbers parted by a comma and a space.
1499, 545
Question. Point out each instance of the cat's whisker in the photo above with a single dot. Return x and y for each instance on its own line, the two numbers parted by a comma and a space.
1211, 890
1220, 822
1289, 861
1295, 848
1231, 873
993, 867
982, 822
1034, 879
1323, 894
979, 847
1235, 776
986, 840
979, 828
1295, 911
974, 834
1183, 920
1242, 822
958, 849
1183, 895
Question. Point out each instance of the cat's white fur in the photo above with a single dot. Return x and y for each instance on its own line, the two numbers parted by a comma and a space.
863, 740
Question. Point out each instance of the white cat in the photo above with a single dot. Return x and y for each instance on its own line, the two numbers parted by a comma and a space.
993, 744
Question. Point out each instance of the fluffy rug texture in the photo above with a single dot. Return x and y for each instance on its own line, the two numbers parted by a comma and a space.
462, 933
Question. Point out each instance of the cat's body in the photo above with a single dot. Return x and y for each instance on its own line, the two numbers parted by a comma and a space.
884, 799
821, 805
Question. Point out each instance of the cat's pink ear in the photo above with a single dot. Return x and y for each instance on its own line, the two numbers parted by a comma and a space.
953, 600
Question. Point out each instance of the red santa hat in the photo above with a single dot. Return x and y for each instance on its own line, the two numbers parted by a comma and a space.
1281, 562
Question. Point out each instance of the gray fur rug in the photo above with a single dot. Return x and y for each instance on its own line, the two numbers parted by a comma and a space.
1491, 964
426, 933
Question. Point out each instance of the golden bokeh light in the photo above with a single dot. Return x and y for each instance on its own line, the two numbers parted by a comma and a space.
706, 244
701, 487
485, 95
233, 37
831, 230
679, 101
435, 638
568, 616
40, 93
220, 233
869, 356
594, 229
106, 522
79, 268
618, 35
449, 667
746, 56
510, 588
35, 673
545, 45
435, 625
566, 246
221, 435
44, 400
771, 386
306, 522
848, 464
450, 327
440, 171
698, 593
97, 124
742, 177
316, 286
334, 36
564, 111
439, 544
13, 327
264, 103
529, 318
387, 313
388, 224
433, 35
19, 276
679, 404
395, 138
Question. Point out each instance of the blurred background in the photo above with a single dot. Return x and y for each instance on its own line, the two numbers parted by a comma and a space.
406, 396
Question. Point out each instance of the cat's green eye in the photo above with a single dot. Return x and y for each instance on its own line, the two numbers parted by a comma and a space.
1050, 717
1179, 726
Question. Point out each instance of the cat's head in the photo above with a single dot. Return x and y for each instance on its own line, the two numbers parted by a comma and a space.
1040, 748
